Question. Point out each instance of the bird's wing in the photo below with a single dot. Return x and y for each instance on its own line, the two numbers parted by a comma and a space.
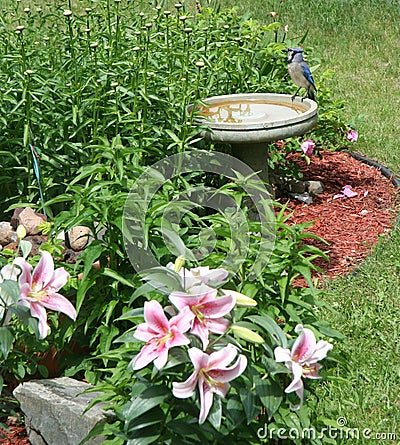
307, 73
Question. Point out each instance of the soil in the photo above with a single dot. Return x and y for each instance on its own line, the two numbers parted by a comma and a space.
351, 226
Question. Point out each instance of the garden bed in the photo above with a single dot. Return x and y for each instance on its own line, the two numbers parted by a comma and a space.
351, 226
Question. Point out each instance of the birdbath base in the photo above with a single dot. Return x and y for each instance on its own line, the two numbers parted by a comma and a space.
255, 156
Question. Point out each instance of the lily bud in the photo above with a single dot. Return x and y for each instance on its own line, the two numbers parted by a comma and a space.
21, 232
179, 263
246, 334
241, 299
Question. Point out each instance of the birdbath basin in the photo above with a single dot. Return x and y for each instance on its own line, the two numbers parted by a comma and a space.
249, 121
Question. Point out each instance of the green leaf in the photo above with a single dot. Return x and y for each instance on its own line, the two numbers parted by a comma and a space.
326, 329
186, 429
10, 289
215, 415
90, 255
234, 411
134, 315
250, 407
140, 291
153, 417
6, 341
271, 327
114, 275
145, 436
270, 394
24, 314
88, 171
148, 399
84, 286
25, 247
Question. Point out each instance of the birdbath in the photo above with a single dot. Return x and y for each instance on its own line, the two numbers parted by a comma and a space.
249, 121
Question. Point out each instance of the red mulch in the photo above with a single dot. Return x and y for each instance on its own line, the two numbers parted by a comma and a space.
16, 435
351, 226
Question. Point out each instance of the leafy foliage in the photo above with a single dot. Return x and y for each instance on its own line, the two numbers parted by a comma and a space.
100, 94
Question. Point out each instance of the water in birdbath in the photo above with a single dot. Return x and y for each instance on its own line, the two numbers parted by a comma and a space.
242, 111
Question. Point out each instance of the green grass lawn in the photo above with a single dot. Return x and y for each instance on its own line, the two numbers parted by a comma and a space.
359, 39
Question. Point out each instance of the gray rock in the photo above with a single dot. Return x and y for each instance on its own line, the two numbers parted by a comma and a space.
30, 220
5, 225
302, 197
314, 188
7, 234
79, 237
54, 411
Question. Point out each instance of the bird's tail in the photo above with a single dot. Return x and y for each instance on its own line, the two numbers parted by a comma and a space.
311, 93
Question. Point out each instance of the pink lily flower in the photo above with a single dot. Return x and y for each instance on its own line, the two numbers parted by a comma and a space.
352, 136
160, 334
308, 147
211, 374
38, 290
302, 359
208, 310
346, 192
200, 275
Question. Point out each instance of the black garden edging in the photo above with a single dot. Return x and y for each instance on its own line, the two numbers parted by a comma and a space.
385, 171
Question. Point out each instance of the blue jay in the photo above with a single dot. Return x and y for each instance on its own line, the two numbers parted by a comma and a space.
300, 72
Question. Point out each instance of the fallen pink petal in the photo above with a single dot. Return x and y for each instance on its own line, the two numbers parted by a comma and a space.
347, 192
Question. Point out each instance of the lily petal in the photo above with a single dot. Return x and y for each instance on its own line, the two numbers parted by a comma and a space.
144, 333
199, 358
222, 358
305, 344
26, 268
227, 374
162, 358
183, 320
296, 383
218, 326
59, 279
321, 350
206, 399
200, 330
57, 302
148, 353
39, 312
44, 271
155, 316
185, 389
9, 272
282, 355
218, 307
